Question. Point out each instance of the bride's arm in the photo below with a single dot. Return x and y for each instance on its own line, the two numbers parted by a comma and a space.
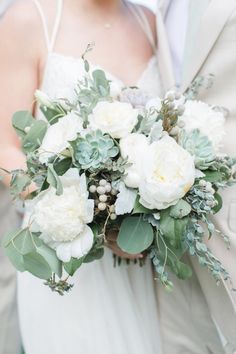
19, 53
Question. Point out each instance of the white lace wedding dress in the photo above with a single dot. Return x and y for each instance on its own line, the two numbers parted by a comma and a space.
110, 310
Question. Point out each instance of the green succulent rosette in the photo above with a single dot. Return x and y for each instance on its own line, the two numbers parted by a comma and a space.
199, 146
94, 150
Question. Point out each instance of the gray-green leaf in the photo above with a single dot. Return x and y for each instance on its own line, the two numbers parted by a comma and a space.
135, 235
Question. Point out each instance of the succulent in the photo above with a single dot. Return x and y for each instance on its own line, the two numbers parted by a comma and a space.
95, 150
199, 146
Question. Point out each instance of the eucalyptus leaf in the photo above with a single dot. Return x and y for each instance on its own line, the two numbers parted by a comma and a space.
33, 139
50, 257
24, 243
15, 257
172, 258
37, 265
180, 210
72, 266
20, 121
173, 229
62, 166
52, 115
19, 183
54, 180
94, 255
219, 200
135, 235
101, 82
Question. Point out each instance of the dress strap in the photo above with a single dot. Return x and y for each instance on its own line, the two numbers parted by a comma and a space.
142, 19
50, 39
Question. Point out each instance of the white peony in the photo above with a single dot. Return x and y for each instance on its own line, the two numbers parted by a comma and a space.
133, 147
199, 115
168, 174
62, 220
115, 118
58, 135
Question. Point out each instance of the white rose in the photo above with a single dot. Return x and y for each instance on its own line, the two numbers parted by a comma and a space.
58, 136
133, 147
199, 115
62, 220
168, 174
115, 118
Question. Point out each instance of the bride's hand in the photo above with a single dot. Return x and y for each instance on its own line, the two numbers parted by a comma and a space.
112, 244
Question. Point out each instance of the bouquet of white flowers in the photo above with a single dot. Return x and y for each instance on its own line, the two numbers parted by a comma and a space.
116, 159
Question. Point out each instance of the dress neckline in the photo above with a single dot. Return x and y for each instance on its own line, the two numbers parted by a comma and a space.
96, 66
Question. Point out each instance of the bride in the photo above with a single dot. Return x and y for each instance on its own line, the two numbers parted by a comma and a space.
110, 310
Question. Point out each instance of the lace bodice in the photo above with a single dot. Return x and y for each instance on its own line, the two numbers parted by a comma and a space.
63, 72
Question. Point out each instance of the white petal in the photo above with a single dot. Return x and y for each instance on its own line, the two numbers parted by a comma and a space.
82, 244
64, 251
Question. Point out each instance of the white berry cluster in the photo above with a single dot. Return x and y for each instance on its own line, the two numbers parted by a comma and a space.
103, 195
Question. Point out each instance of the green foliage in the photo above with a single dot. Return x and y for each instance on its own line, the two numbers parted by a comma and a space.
199, 146
28, 253
219, 205
22, 120
54, 180
72, 266
101, 83
135, 235
173, 229
180, 210
19, 182
139, 208
34, 137
52, 114
212, 176
94, 150
62, 166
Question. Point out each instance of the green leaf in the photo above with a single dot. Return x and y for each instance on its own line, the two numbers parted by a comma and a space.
173, 229
37, 265
62, 166
50, 257
19, 183
34, 137
24, 243
54, 180
94, 255
101, 82
171, 256
21, 120
52, 115
139, 208
135, 235
15, 257
220, 203
8, 237
72, 266
212, 176
180, 210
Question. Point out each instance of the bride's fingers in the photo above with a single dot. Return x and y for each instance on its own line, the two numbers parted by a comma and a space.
118, 252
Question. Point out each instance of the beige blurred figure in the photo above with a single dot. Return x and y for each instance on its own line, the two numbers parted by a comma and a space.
9, 219
201, 36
